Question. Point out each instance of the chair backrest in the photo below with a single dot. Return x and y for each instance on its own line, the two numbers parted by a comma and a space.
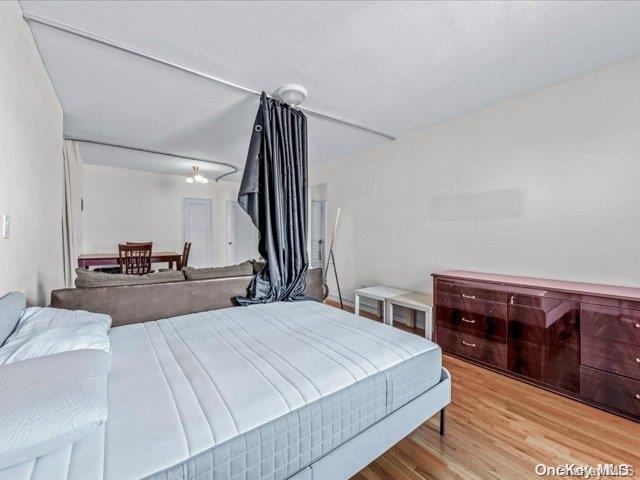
184, 261
135, 258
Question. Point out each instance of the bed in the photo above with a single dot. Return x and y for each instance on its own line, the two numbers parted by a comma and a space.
280, 391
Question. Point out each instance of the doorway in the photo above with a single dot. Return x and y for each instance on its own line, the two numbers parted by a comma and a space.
242, 235
197, 228
318, 233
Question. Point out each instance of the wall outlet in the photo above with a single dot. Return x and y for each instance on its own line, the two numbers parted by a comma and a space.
6, 226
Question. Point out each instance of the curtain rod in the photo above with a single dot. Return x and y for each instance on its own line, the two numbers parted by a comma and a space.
199, 73
158, 152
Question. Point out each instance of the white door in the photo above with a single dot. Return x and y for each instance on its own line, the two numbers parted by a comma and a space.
242, 235
318, 233
197, 228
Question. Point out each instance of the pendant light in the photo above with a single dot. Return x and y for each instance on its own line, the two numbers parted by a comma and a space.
196, 176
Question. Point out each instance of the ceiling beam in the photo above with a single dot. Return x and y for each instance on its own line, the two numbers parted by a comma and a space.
149, 56
158, 152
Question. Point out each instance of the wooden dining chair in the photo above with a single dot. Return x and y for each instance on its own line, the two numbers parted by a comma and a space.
184, 261
135, 258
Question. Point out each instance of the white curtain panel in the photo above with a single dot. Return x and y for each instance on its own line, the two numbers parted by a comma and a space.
72, 216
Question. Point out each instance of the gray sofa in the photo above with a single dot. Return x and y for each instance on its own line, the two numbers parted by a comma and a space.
128, 304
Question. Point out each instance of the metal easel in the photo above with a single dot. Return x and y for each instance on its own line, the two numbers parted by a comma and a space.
332, 259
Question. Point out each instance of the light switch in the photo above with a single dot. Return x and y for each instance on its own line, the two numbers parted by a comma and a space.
6, 226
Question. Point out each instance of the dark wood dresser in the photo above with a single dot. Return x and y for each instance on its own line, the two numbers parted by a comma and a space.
578, 339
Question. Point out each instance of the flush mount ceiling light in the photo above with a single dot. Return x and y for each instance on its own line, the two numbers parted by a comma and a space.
291, 94
196, 176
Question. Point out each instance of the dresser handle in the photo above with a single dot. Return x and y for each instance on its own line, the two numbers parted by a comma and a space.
473, 321
468, 296
637, 325
638, 360
473, 345
637, 396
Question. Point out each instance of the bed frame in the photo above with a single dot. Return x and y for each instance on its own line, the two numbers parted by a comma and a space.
352, 456
142, 303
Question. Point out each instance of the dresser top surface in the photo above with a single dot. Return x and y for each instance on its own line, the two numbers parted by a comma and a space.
627, 293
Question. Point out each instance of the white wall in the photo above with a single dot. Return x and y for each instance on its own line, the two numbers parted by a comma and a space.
31, 184
546, 184
131, 205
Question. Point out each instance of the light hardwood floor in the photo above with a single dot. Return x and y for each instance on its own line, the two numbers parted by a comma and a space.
500, 428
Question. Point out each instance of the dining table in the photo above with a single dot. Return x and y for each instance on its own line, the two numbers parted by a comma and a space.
87, 260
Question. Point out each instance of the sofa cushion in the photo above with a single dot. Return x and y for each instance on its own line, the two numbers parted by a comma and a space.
88, 278
11, 307
45, 331
50, 402
241, 270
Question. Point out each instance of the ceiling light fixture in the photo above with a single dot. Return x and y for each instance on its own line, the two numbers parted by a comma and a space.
196, 176
291, 94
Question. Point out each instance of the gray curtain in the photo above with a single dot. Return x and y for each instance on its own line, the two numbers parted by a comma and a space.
274, 194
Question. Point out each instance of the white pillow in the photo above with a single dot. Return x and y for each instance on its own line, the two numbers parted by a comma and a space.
50, 402
45, 331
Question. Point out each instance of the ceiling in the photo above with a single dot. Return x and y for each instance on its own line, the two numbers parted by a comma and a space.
396, 67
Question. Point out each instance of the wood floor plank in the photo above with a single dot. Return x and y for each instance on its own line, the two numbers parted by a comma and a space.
501, 428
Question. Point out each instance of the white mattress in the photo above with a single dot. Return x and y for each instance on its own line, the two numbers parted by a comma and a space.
182, 388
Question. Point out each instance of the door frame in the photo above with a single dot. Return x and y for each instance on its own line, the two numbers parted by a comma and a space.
209, 202
230, 240
324, 237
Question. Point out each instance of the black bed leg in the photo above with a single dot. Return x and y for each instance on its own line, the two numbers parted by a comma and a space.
442, 421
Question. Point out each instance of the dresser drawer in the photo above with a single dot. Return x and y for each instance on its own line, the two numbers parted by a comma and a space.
471, 292
611, 356
609, 389
473, 305
470, 346
611, 323
477, 324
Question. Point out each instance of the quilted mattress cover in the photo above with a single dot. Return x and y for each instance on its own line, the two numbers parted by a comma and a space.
254, 392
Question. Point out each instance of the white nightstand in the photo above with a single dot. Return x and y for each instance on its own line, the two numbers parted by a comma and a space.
413, 301
379, 293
